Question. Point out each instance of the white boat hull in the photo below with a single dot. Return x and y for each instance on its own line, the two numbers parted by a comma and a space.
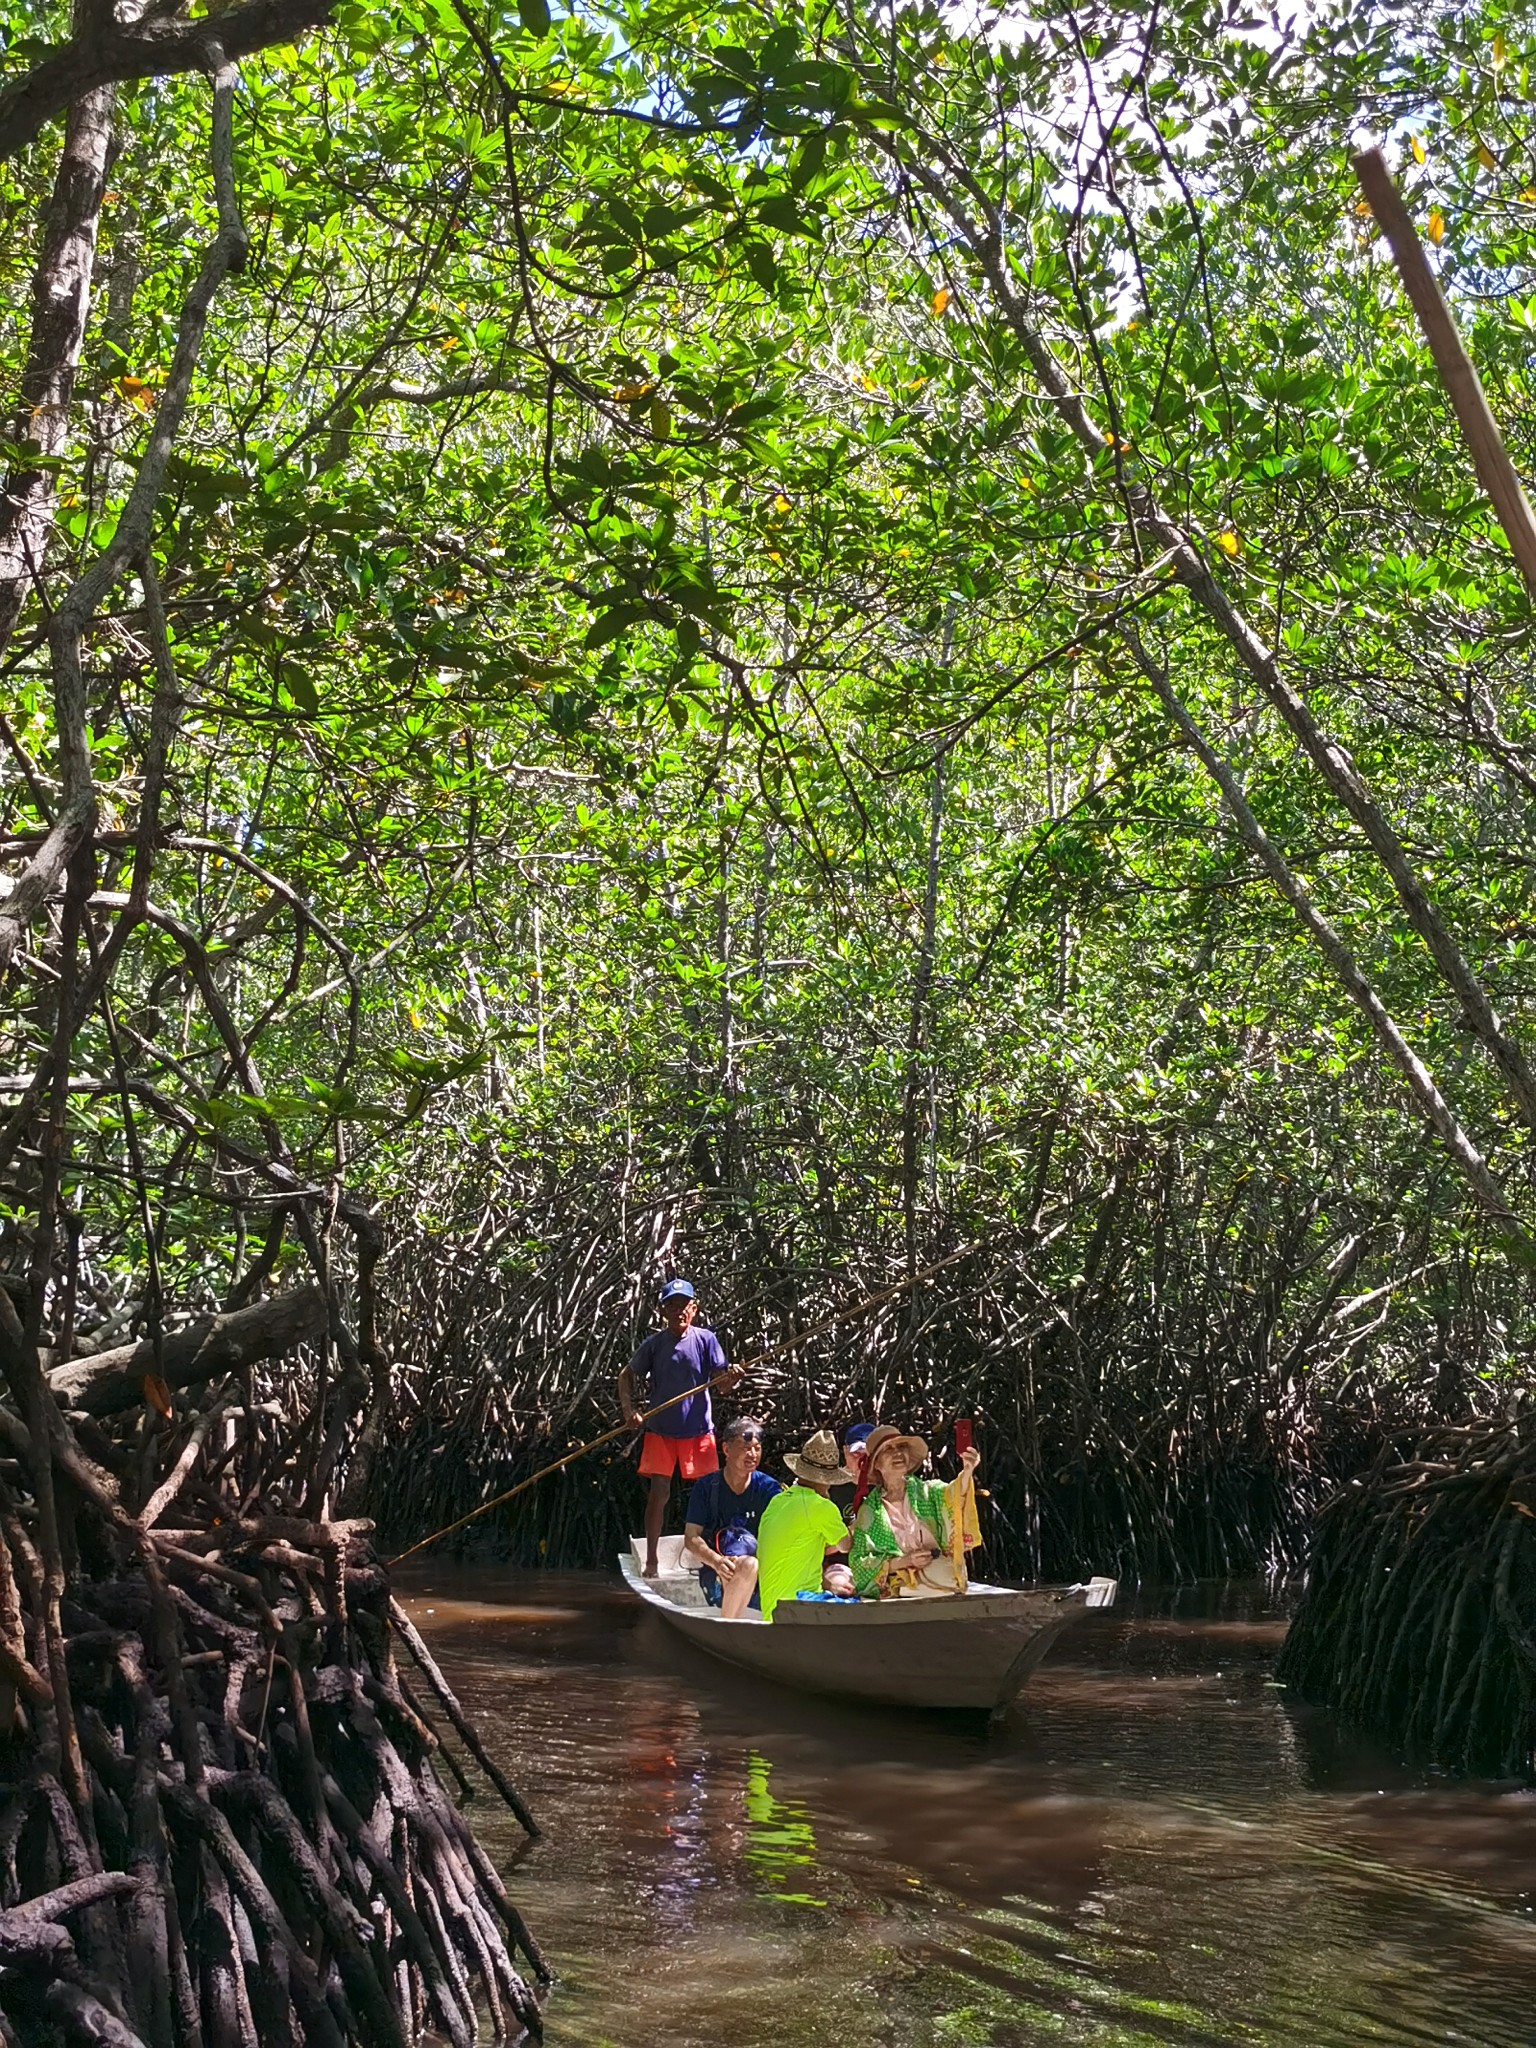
974, 1649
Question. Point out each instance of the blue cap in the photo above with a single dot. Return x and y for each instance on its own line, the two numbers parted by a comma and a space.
859, 1433
676, 1290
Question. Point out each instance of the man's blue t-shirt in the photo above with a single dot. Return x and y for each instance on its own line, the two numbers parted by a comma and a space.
664, 1365
712, 1505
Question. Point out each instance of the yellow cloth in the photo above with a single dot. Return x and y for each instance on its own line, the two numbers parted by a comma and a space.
962, 1530
964, 1523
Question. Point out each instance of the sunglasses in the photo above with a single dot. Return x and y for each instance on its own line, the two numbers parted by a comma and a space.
745, 1436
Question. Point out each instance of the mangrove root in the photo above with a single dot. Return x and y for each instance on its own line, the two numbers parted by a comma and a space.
1417, 1620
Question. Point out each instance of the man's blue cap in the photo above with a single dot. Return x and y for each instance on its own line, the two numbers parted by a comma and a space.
859, 1433
676, 1290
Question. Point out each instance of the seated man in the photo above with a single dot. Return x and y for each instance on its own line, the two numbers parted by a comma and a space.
720, 1521
800, 1528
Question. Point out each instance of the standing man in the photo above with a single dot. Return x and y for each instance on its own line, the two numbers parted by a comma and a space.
681, 1358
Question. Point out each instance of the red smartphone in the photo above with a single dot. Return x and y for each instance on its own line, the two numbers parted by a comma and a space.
962, 1438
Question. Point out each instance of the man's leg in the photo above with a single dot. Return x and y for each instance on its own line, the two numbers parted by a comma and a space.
739, 1588
655, 1516
740, 1545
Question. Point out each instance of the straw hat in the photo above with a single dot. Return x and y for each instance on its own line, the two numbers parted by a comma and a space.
882, 1438
819, 1462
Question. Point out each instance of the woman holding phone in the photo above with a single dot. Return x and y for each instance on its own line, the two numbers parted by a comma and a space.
904, 1527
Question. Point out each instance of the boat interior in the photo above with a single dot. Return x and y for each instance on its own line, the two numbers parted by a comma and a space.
677, 1582
676, 1579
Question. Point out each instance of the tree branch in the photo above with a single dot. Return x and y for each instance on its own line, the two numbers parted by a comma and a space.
67, 628
155, 49
114, 1380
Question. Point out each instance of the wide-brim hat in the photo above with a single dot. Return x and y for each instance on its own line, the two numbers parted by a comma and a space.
882, 1438
819, 1462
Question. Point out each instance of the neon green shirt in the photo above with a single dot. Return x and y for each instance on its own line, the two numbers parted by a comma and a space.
797, 1529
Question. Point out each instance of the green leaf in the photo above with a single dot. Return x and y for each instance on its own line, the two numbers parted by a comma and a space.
610, 624
782, 213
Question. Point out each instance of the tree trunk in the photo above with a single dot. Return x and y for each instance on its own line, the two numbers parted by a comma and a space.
1421, 1085
917, 1085
114, 1380
945, 180
61, 303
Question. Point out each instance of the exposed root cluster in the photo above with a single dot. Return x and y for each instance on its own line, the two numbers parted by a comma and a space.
234, 1835
1419, 1620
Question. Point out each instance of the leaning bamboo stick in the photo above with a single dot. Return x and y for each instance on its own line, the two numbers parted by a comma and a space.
1463, 387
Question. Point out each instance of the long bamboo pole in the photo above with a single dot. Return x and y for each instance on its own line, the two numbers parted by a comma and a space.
748, 1365
1463, 387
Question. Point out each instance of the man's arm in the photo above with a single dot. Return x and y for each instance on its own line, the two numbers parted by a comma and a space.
629, 1406
844, 1535
695, 1547
726, 1377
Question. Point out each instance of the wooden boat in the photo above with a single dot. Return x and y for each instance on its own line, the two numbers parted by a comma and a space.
974, 1649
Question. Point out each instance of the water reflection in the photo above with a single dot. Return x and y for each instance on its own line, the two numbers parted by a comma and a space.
778, 1843
1159, 1850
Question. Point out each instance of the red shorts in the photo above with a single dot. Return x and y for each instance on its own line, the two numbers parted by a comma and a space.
689, 1456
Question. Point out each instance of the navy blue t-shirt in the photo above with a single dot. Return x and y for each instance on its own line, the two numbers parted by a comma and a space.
666, 1365
712, 1505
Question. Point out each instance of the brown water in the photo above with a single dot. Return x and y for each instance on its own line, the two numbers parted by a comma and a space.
1158, 1850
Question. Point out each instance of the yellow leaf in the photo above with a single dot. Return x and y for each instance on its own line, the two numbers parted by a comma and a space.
627, 392
1500, 49
1486, 157
157, 1395
1436, 226
941, 299
779, 559
1529, 195
137, 391
781, 503
1228, 542
1418, 150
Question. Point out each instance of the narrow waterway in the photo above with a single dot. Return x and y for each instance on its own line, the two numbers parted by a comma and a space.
1159, 1849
